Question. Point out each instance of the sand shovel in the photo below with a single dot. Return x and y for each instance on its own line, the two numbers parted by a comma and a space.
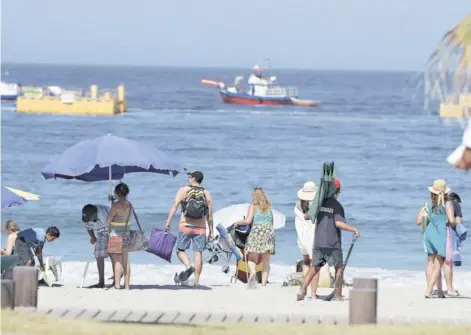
339, 280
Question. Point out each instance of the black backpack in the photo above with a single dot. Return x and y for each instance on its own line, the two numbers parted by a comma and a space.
195, 206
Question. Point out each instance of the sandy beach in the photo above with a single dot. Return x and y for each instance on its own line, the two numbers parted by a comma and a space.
153, 290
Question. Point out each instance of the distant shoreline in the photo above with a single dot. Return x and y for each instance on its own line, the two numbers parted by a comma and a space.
197, 67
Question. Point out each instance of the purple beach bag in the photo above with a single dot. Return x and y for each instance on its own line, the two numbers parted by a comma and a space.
161, 244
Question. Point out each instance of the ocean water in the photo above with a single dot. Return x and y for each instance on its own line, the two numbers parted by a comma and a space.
387, 149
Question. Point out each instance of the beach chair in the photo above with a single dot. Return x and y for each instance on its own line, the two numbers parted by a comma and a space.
7, 264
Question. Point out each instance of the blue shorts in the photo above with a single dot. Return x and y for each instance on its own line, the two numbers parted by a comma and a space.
185, 240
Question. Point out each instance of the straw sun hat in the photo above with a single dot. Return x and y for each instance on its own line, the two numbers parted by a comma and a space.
439, 187
308, 191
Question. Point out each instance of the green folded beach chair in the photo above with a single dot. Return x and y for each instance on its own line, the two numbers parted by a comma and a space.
325, 189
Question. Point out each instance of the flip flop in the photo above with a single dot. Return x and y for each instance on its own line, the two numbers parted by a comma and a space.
455, 294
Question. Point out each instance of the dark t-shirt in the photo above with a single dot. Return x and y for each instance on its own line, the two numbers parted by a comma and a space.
457, 208
33, 237
327, 234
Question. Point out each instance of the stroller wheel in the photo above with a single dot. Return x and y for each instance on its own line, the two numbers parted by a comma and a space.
225, 269
213, 259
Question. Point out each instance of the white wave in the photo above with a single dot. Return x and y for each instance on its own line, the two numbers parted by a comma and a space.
151, 274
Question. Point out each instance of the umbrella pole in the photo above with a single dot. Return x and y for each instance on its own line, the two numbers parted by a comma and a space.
111, 183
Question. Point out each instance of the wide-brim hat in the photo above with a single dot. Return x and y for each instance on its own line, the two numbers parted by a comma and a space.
308, 191
439, 186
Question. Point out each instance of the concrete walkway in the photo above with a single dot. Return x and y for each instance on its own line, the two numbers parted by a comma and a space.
169, 317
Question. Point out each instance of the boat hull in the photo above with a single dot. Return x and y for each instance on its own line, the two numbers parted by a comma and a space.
246, 99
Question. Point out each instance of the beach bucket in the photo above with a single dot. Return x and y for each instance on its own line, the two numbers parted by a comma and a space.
242, 272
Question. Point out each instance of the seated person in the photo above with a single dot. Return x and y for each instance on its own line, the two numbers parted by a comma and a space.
96, 224
34, 238
12, 228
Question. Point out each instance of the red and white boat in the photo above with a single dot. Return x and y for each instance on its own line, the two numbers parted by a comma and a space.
261, 91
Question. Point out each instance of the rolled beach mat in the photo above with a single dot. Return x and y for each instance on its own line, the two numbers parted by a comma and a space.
212, 83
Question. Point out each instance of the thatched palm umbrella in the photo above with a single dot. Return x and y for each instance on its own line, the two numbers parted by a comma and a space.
448, 74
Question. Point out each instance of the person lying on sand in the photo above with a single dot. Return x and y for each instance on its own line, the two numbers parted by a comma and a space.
95, 219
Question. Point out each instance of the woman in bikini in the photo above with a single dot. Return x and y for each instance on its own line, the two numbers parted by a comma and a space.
120, 224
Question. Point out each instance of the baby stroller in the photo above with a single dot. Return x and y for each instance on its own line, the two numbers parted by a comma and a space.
220, 249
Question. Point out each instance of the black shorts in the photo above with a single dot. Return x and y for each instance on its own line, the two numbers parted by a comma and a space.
321, 256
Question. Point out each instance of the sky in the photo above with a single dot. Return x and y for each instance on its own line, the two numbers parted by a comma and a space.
308, 34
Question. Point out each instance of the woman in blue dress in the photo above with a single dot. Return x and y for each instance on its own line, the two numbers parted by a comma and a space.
440, 214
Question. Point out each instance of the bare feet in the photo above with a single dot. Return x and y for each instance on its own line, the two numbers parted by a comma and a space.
301, 294
252, 283
452, 293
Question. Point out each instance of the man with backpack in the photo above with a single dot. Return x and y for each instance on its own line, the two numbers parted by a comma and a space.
196, 205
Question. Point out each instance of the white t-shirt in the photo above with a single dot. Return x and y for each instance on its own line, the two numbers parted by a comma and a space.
101, 225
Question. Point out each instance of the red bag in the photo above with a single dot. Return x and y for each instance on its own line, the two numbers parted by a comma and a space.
115, 243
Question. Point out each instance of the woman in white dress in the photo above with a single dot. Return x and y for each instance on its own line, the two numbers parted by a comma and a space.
305, 229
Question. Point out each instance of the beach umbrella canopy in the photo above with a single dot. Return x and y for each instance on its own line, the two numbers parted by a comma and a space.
228, 215
448, 72
10, 198
109, 158
13, 197
27, 195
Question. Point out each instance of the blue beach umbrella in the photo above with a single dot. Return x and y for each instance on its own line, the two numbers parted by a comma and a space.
109, 158
10, 198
